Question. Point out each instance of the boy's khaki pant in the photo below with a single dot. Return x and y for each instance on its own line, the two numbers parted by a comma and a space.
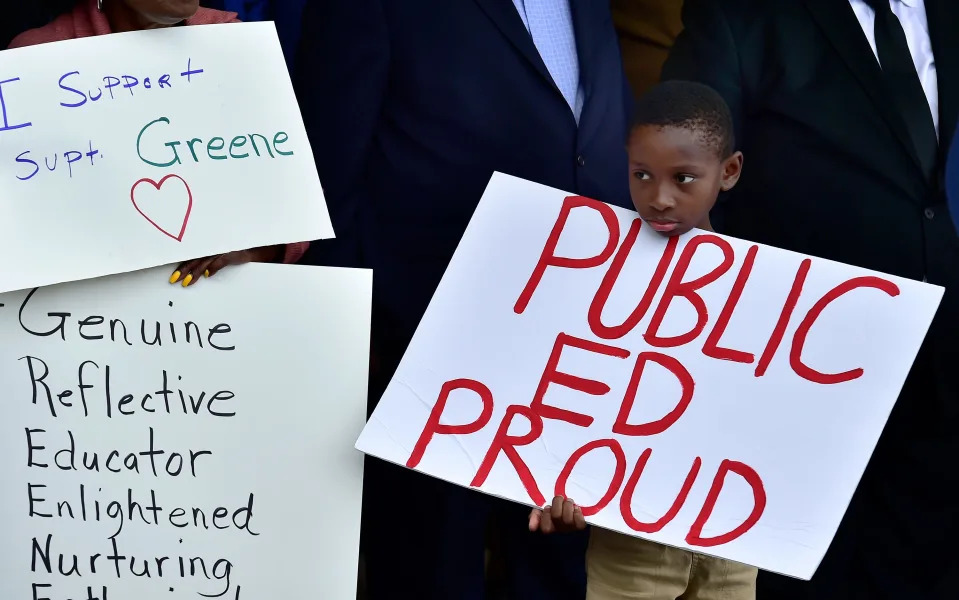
619, 567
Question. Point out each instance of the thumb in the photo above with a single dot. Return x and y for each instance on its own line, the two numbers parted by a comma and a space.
534, 518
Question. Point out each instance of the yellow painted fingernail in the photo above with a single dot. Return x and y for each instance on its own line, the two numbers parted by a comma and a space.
206, 273
175, 277
187, 280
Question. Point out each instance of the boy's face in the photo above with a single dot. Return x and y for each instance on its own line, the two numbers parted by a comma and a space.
675, 177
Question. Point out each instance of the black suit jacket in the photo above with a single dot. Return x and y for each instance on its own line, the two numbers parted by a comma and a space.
411, 105
829, 171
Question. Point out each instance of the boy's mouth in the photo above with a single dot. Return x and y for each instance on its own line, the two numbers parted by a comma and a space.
663, 226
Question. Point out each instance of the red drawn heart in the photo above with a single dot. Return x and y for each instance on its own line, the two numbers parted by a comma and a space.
157, 185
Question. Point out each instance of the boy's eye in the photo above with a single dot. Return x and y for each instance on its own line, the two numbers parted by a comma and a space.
685, 179
641, 175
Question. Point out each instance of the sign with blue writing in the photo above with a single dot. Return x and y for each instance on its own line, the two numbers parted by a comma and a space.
133, 150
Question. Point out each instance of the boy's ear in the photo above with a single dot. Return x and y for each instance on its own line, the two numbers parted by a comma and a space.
732, 169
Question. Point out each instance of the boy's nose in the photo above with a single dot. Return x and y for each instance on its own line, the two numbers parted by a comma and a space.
663, 202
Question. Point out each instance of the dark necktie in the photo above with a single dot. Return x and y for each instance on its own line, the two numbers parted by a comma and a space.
903, 85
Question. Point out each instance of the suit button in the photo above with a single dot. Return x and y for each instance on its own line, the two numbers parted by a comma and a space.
581, 161
930, 214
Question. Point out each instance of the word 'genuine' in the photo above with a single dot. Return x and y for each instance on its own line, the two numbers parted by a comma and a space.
92, 328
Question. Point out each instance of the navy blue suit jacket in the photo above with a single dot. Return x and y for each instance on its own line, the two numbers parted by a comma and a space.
285, 14
411, 105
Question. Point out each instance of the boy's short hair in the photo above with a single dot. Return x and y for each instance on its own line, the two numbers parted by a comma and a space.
691, 106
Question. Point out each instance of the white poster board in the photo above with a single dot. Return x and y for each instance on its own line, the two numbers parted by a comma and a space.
733, 416
133, 150
271, 362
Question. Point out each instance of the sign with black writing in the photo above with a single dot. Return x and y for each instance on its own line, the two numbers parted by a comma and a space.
158, 443
699, 391
132, 150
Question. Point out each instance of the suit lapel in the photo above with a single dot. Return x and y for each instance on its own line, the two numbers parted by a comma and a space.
504, 14
838, 21
585, 28
943, 16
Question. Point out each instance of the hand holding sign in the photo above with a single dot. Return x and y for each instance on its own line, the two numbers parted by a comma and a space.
562, 515
174, 203
190, 271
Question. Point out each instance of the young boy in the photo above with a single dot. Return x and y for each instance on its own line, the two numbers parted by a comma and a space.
681, 155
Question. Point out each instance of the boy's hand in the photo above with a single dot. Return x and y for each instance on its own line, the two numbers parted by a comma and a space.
562, 516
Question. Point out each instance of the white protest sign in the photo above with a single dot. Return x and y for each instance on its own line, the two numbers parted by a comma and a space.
167, 444
702, 392
133, 150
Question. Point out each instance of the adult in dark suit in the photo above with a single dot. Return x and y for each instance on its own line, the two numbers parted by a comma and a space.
842, 162
411, 106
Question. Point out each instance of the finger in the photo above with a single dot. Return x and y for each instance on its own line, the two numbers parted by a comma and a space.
546, 523
219, 262
198, 269
534, 519
579, 519
557, 509
568, 510
182, 270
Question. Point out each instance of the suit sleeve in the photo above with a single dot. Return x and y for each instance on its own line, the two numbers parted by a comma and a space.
341, 74
706, 52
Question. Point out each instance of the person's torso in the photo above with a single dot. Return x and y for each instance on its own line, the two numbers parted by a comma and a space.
826, 174
465, 98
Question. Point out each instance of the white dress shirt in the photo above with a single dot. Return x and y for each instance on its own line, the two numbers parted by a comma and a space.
912, 16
